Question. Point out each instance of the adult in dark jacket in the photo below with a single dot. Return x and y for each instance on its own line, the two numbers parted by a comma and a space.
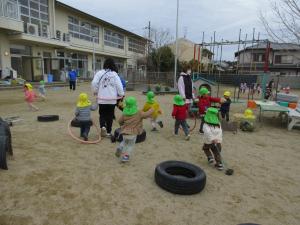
185, 85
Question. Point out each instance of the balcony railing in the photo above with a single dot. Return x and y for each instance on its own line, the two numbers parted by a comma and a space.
9, 9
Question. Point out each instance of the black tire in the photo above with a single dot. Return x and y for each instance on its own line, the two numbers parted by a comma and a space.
48, 118
3, 147
180, 177
119, 137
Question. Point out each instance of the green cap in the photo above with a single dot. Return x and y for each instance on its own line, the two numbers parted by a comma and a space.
42, 82
211, 116
130, 106
203, 91
178, 100
150, 97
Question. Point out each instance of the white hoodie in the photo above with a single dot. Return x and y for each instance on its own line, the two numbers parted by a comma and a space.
108, 86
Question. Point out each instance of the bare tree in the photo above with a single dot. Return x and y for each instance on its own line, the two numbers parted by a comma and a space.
284, 23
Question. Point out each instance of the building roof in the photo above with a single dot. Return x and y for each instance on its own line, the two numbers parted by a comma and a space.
59, 3
274, 46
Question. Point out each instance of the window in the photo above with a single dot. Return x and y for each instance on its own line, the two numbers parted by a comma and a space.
283, 59
258, 57
83, 30
113, 39
33, 11
136, 46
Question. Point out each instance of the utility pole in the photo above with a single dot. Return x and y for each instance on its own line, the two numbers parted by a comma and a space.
149, 42
176, 48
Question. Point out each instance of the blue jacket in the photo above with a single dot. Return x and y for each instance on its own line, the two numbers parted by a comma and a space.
72, 75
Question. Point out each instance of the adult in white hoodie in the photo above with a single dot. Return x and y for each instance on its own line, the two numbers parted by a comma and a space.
185, 86
108, 88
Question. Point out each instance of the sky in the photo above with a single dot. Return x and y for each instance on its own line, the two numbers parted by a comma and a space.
225, 17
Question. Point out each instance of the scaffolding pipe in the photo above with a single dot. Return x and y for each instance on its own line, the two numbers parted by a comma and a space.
201, 52
251, 57
238, 52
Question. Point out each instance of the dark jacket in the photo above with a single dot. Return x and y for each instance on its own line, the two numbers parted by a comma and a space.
225, 106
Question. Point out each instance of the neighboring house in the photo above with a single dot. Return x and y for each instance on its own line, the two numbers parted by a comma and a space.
284, 59
39, 37
186, 52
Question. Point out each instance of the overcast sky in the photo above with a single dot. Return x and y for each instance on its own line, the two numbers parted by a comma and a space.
225, 17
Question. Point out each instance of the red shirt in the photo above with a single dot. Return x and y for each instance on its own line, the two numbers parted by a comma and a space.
205, 102
180, 112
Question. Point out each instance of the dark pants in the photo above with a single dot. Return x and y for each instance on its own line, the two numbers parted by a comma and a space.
106, 112
72, 85
225, 114
184, 126
85, 128
202, 123
215, 148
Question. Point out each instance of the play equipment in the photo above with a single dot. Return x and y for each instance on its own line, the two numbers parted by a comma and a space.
294, 117
251, 104
293, 105
283, 97
48, 118
180, 177
82, 141
284, 104
119, 137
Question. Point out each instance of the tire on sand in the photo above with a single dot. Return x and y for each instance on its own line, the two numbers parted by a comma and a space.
180, 177
3, 147
48, 118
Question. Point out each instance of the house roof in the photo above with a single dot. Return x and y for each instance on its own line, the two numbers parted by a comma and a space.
59, 3
274, 46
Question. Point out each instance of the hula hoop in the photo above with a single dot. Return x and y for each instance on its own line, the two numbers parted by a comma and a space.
195, 123
82, 141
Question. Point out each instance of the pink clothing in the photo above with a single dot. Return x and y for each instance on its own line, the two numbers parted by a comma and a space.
30, 96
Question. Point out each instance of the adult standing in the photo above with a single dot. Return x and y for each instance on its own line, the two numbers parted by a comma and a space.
185, 85
72, 79
108, 88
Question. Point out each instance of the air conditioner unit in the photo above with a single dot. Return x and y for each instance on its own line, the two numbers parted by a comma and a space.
58, 34
32, 29
45, 31
66, 37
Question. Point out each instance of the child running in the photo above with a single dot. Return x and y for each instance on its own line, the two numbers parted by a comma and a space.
180, 114
83, 114
42, 90
225, 106
204, 102
131, 123
30, 96
152, 103
212, 138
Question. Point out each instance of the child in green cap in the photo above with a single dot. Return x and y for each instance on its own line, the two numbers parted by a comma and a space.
42, 90
152, 103
131, 123
212, 137
180, 114
204, 102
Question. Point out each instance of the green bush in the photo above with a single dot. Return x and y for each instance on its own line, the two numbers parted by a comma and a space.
158, 88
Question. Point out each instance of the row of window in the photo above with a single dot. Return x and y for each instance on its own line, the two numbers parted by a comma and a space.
113, 39
279, 59
136, 46
83, 30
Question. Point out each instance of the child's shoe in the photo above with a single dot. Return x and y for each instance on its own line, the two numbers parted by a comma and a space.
103, 132
154, 129
219, 166
108, 135
125, 158
85, 137
187, 138
210, 160
160, 123
118, 152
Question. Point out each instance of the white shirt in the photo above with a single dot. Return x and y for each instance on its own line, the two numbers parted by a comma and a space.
212, 133
108, 86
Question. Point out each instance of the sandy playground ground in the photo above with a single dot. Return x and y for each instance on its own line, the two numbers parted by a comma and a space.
55, 180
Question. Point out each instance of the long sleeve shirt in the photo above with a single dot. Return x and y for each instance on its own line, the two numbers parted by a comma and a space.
179, 112
84, 113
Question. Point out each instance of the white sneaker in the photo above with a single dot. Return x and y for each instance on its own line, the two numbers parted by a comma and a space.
187, 138
103, 132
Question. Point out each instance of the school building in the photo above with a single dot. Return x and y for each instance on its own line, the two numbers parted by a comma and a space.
40, 37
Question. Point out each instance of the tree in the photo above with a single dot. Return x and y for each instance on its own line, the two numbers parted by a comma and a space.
162, 59
284, 23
